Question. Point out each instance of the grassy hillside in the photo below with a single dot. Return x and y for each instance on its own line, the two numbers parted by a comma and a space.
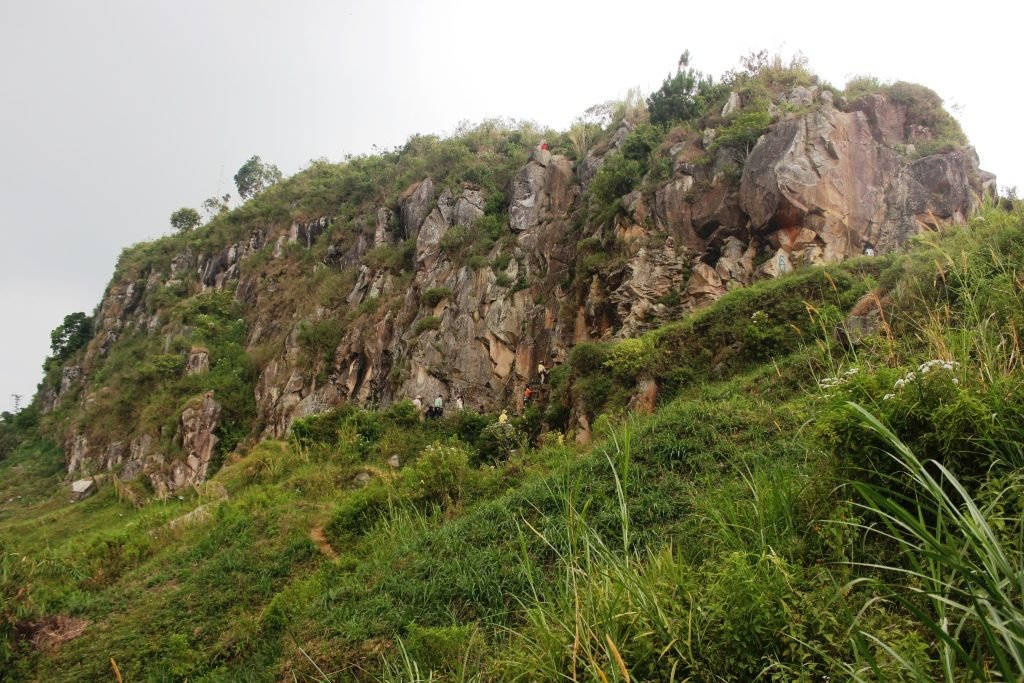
757, 525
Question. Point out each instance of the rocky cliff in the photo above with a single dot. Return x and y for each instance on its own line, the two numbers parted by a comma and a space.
463, 285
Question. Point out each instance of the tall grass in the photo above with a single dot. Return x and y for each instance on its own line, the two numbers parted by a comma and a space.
964, 580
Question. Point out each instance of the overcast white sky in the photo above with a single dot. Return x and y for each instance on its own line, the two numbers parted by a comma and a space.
115, 113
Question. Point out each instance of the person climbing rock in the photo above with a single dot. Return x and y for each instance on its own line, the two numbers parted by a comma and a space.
503, 418
527, 395
542, 372
460, 401
418, 402
438, 406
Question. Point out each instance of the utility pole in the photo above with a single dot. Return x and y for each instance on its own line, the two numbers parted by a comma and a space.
17, 401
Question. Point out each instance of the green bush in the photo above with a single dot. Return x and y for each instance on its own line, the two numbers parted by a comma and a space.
497, 442
588, 357
398, 258
435, 295
643, 140
368, 306
617, 176
934, 409
402, 414
320, 339
440, 476
455, 240
16, 606
428, 322
630, 358
320, 429
743, 130
683, 96
162, 367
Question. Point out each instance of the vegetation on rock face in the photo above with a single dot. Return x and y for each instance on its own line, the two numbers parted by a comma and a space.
734, 517
752, 526
70, 336
683, 96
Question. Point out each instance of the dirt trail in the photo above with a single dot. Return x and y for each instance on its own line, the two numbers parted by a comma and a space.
317, 534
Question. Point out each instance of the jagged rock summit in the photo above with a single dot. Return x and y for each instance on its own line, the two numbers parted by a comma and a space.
328, 290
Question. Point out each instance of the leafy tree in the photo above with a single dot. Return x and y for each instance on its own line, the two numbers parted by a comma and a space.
73, 334
184, 219
254, 176
682, 97
616, 177
214, 206
744, 130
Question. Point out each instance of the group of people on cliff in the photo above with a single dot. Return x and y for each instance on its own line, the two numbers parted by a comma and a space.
435, 409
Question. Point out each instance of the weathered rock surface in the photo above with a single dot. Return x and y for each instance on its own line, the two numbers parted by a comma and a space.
817, 187
198, 362
832, 174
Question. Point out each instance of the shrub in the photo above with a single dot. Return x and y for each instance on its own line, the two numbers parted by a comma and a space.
320, 429
320, 339
397, 258
402, 414
435, 295
644, 139
497, 441
630, 358
682, 97
743, 130
933, 410
587, 357
425, 323
439, 476
455, 240
924, 107
16, 607
617, 176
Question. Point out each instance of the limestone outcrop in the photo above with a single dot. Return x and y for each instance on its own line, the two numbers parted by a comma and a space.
375, 308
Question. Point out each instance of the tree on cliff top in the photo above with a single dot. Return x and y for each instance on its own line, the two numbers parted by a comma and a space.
682, 97
254, 176
185, 219
73, 334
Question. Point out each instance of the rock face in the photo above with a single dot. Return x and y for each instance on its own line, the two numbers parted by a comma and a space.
824, 186
816, 188
197, 427
198, 362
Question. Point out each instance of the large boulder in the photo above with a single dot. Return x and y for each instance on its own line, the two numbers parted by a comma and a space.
198, 423
415, 205
828, 174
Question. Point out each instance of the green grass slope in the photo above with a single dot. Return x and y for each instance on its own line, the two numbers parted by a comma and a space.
754, 527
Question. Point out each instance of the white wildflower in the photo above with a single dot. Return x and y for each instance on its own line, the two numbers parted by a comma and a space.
888, 397
851, 372
956, 381
899, 384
